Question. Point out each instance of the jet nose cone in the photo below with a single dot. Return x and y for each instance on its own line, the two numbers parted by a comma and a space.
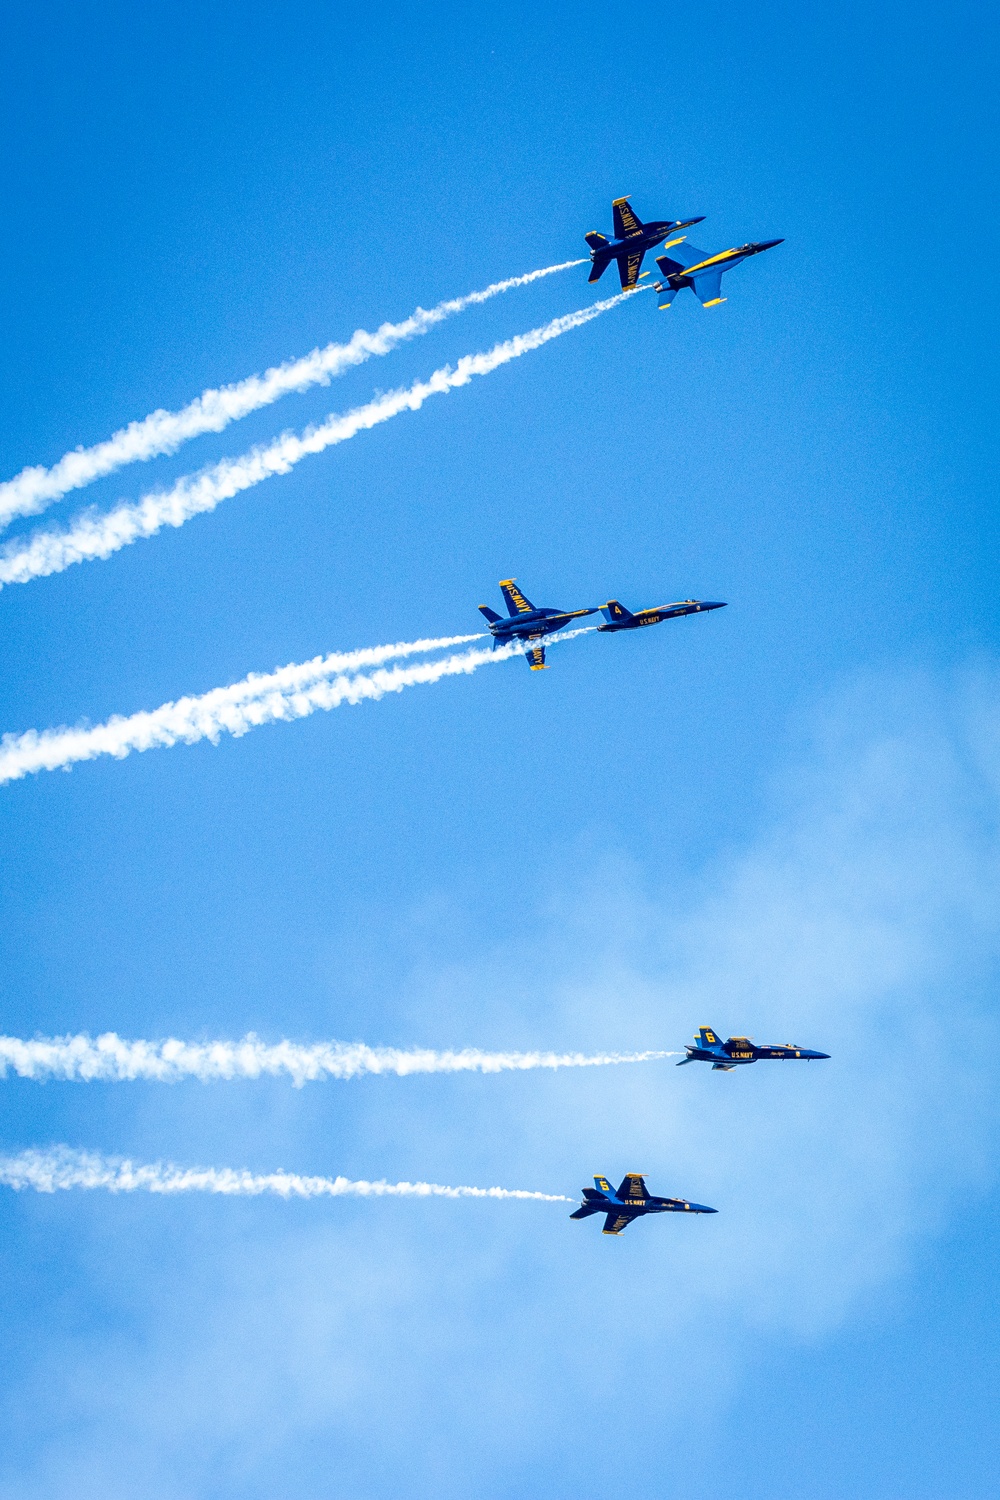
713, 604
768, 244
819, 1056
699, 1208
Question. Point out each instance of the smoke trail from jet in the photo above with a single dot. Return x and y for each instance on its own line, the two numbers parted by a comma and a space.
110, 1059
61, 1168
95, 536
36, 488
232, 711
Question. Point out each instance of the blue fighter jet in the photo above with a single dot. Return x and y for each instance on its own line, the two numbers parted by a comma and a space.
526, 623
632, 239
630, 1202
700, 271
620, 618
724, 1056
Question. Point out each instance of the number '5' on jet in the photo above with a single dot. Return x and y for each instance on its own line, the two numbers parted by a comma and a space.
724, 1056
631, 1201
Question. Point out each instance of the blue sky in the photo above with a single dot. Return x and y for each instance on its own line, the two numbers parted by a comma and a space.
781, 818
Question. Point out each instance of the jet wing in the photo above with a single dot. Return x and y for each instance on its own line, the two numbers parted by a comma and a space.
625, 219
536, 657
629, 267
708, 288
615, 1223
633, 1187
515, 601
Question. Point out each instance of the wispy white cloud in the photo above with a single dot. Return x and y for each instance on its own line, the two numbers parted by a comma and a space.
293, 692
60, 1168
854, 907
36, 488
111, 1058
98, 535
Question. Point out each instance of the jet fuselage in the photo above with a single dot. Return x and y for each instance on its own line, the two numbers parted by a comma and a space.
537, 622
655, 616
740, 1050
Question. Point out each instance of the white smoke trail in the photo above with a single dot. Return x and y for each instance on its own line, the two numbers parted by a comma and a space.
110, 1059
62, 1168
36, 488
233, 711
99, 535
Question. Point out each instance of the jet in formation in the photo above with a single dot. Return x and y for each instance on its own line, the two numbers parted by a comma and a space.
620, 618
632, 239
686, 266
526, 623
631, 1201
725, 1056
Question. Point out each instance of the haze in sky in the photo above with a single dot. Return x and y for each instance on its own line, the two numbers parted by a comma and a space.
334, 964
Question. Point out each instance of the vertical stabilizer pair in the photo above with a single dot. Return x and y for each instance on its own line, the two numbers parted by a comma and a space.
687, 266
631, 1200
632, 238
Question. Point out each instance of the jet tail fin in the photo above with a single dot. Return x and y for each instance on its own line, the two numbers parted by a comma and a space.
707, 1037
613, 611
669, 267
684, 255
490, 614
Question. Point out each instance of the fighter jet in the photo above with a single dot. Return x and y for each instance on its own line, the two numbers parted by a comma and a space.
632, 239
526, 623
619, 618
724, 1056
630, 1202
700, 271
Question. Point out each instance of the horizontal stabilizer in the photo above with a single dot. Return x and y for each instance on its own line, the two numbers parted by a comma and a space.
490, 614
595, 240
586, 1209
602, 259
